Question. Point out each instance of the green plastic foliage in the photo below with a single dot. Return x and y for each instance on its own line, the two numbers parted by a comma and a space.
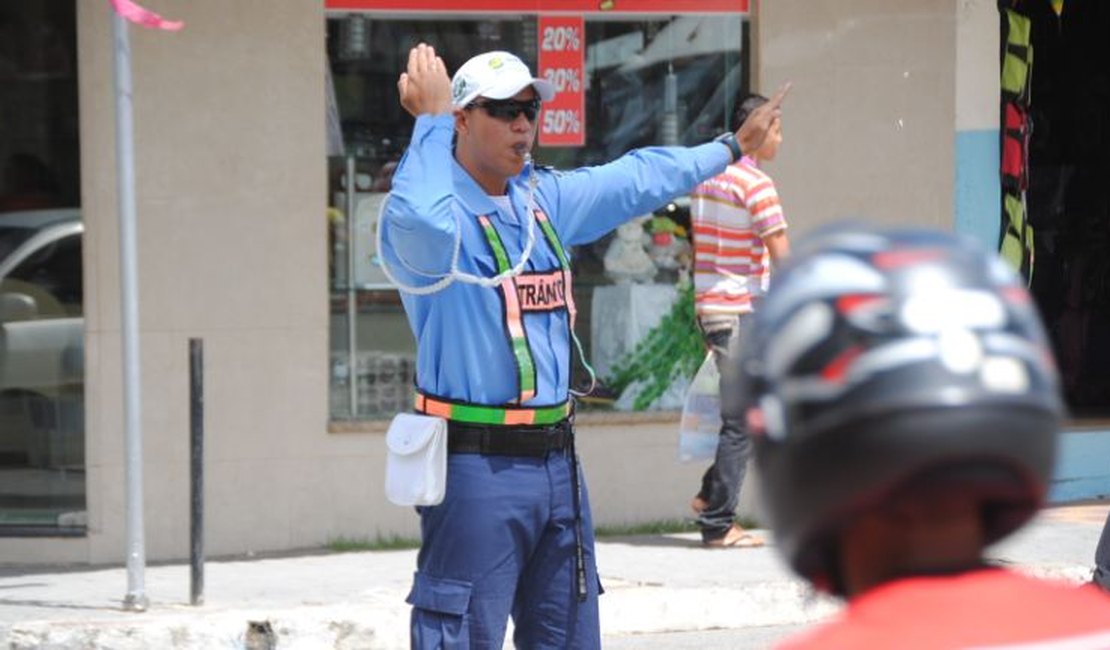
672, 349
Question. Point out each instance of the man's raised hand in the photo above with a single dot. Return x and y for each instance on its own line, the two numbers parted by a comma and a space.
424, 85
754, 130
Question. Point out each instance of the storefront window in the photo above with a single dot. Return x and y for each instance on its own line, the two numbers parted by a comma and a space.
42, 434
648, 80
1061, 193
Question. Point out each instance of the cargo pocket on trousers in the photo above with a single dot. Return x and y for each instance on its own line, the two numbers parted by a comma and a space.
439, 617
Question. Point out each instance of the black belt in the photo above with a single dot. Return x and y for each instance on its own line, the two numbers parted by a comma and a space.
500, 440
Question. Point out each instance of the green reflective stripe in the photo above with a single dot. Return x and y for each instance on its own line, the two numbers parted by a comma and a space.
525, 365
477, 414
499, 253
553, 241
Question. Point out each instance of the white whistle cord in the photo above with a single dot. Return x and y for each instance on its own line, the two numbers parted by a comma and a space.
453, 272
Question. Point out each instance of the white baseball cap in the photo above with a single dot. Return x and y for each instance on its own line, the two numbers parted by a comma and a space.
497, 75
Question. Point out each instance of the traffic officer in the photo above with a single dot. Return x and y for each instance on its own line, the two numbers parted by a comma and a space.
477, 237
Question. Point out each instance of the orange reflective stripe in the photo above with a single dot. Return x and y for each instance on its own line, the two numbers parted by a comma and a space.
522, 416
436, 408
570, 298
513, 321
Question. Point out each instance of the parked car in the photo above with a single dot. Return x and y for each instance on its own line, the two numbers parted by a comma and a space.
42, 372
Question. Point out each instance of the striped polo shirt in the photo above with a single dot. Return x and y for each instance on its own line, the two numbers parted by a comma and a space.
731, 213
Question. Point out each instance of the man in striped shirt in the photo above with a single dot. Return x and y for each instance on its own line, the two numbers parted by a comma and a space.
739, 233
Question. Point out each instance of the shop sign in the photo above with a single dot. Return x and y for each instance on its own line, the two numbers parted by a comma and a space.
544, 6
561, 44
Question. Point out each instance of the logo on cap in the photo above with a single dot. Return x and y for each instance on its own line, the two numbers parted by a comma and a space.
495, 62
458, 90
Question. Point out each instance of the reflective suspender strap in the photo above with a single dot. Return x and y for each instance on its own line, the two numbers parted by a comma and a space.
496, 415
564, 262
514, 322
581, 590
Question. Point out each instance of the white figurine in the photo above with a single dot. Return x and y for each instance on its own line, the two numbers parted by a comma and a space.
626, 260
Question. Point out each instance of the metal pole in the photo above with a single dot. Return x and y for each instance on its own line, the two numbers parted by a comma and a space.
196, 471
352, 312
136, 599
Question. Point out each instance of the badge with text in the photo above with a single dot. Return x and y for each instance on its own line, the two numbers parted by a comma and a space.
562, 47
541, 291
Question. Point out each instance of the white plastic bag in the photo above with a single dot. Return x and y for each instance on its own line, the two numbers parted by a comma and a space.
701, 414
416, 460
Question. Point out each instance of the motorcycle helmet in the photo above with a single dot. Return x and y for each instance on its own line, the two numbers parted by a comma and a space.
887, 360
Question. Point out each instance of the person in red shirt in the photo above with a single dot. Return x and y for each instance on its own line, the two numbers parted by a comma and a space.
905, 410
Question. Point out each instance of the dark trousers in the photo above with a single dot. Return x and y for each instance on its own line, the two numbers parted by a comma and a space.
720, 486
1102, 558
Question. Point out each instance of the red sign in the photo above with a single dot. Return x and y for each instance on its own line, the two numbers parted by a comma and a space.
562, 61
543, 6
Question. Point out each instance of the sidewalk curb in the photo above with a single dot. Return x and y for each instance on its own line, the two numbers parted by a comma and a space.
382, 620
659, 609
346, 626
384, 623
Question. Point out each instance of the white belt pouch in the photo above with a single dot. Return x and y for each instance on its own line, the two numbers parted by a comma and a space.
416, 460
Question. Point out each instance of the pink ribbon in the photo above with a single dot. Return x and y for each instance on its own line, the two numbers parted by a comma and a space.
144, 17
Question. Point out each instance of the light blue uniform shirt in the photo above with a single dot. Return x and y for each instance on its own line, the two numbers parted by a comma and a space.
463, 350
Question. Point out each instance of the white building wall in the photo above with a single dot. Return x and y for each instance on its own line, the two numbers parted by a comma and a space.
869, 123
978, 188
229, 154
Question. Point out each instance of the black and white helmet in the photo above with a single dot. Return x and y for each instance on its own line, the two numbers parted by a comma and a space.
880, 357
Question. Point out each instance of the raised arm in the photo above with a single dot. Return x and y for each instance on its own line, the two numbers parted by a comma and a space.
419, 226
594, 200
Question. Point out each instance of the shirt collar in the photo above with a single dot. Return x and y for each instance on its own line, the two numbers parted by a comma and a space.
478, 202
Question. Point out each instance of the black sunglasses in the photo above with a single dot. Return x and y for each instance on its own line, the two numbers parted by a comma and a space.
509, 109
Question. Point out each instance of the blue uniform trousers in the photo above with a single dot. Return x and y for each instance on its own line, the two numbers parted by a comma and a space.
502, 543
